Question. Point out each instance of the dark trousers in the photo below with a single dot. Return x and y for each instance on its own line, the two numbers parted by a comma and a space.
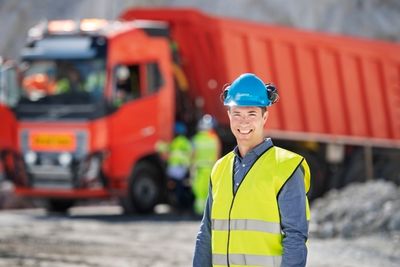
181, 194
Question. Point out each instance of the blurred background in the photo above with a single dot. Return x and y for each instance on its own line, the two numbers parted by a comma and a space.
346, 52
378, 19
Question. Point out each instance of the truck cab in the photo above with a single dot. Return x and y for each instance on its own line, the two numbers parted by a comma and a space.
96, 96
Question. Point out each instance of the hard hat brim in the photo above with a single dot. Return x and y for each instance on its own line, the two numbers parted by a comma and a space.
244, 103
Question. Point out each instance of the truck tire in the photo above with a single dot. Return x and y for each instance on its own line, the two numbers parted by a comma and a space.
59, 205
144, 189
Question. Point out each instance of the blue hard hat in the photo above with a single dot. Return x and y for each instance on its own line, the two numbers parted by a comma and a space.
248, 91
180, 128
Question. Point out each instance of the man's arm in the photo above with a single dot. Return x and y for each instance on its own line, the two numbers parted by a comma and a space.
202, 253
292, 208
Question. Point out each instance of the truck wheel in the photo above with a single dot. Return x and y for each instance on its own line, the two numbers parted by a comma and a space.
59, 205
144, 189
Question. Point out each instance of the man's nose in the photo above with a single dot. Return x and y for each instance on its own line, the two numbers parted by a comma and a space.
244, 119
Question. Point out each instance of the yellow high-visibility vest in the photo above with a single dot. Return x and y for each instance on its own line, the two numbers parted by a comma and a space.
246, 229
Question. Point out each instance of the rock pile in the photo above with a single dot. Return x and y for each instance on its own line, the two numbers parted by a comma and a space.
358, 209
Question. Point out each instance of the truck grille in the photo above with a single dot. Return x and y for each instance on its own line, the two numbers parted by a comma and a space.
51, 177
43, 166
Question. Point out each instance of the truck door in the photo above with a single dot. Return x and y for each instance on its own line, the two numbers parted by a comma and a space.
9, 95
144, 98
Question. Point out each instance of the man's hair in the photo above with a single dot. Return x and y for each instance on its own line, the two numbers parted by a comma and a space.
263, 109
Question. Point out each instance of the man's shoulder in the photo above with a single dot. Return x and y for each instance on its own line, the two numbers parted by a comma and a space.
282, 154
223, 160
227, 156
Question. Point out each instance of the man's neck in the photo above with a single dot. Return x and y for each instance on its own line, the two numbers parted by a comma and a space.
245, 147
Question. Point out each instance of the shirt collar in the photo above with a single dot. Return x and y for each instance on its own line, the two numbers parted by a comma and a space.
258, 150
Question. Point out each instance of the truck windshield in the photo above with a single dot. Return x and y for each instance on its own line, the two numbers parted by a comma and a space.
61, 88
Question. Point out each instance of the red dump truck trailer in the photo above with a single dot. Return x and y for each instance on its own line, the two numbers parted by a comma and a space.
97, 95
340, 96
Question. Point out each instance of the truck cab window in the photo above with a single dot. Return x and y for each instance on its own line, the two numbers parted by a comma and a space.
127, 84
63, 81
154, 78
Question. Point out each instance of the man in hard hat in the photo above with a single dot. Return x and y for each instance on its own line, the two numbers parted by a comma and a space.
257, 211
126, 89
71, 81
206, 151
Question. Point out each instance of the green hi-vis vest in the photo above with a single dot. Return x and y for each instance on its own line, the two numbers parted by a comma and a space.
246, 228
180, 151
206, 145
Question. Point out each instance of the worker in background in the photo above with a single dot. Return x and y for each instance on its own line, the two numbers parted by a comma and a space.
127, 85
257, 211
122, 86
71, 82
206, 151
178, 165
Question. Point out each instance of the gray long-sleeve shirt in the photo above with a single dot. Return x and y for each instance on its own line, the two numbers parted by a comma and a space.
291, 201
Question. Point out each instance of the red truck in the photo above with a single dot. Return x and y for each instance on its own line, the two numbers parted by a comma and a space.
8, 98
97, 95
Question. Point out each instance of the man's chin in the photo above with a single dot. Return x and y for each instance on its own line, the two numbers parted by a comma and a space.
243, 138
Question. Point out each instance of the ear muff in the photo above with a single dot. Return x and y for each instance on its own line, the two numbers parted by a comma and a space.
225, 90
272, 93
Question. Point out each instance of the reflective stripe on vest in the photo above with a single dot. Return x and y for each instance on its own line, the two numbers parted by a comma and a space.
246, 226
246, 260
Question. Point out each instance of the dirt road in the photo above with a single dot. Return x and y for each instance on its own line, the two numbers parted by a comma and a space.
101, 237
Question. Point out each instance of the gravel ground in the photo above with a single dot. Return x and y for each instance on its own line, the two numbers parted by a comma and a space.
101, 237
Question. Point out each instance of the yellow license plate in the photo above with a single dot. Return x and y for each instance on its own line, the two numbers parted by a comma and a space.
52, 141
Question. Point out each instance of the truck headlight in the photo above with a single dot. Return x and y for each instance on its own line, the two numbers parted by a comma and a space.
30, 157
65, 159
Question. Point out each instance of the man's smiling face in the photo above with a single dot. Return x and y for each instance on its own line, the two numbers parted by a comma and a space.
247, 125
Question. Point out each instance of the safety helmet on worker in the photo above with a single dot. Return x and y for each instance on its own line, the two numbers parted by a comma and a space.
247, 90
205, 123
180, 128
